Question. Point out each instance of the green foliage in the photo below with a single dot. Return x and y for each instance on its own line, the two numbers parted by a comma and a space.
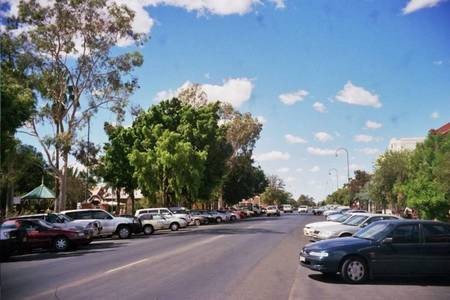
275, 192
306, 200
341, 196
180, 152
243, 180
391, 171
428, 186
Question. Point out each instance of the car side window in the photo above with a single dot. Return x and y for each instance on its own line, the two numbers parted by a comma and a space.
405, 234
100, 215
436, 233
52, 218
146, 217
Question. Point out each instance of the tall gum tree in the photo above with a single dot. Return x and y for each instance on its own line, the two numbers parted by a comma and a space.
77, 74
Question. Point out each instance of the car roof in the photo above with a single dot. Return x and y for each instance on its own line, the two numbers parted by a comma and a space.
412, 221
27, 216
82, 209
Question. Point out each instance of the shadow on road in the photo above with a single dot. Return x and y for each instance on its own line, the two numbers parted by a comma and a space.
391, 280
80, 251
227, 231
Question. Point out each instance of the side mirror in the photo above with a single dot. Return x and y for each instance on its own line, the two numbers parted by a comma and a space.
387, 241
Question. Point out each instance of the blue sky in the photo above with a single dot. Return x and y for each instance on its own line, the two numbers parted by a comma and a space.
315, 71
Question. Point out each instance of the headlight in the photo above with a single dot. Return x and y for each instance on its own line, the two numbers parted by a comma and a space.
325, 234
320, 254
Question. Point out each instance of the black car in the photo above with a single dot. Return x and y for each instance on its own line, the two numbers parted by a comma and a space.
393, 247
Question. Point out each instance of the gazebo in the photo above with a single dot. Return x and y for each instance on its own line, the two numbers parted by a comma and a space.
42, 193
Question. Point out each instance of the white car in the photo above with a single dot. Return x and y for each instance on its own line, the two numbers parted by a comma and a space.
152, 222
165, 212
309, 229
272, 210
111, 225
302, 209
287, 208
350, 226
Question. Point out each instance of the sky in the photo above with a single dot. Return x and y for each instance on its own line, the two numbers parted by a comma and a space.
319, 75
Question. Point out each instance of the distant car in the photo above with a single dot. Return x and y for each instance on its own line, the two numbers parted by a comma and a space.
310, 228
32, 234
123, 227
272, 210
198, 218
302, 209
286, 208
318, 211
393, 247
219, 217
153, 222
349, 226
181, 213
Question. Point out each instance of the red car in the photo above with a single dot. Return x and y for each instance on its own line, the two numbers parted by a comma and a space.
34, 234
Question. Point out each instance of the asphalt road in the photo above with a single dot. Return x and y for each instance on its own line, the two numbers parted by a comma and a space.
252, 259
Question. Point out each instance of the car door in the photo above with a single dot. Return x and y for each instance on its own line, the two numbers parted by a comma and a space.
436, 248
106, 219
400, 253
161, 222
36, 236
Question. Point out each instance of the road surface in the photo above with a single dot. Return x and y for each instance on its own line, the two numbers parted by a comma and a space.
251, 259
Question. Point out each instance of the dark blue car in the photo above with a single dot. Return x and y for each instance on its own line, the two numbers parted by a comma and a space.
395, 247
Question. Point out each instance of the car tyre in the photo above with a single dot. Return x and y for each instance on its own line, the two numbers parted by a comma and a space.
197, 222
174, 226
148, 229
61, 243
233, 218
123, 232
354, 270
218, 220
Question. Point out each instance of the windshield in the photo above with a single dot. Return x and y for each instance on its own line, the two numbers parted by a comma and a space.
65, 218
355, 220
374, 231
342, 218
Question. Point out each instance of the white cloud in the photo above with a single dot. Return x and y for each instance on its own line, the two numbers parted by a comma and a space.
369, 151
356, 95
290, 179
320, 107
235, 91
364, 138
438, 62
143, 22
272, 155
279, 4
261, 119
323, 137
320, 151
283, 170
435, 115
373, 125
292, 139
315, 169
292, 98
299, 170
415, 5
355, 167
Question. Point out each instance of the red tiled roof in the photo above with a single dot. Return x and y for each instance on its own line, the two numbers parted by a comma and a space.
443, 129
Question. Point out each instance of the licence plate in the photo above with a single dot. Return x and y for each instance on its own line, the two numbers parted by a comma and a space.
302, 259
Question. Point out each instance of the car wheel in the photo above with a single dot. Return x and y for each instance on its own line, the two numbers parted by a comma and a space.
124, 232
174, 226
232, 218
197, 222
206, 222
148, 229
354, 270
218, 220
61, 243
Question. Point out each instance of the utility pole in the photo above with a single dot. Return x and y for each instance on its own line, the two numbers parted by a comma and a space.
348, 161
337, 176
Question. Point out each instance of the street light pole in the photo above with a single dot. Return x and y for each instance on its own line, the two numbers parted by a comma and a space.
348, 161
337, 177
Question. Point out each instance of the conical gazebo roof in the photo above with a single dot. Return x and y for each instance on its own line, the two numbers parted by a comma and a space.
39, 193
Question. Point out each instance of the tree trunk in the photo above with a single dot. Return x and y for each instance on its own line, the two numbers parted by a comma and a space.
118, 201
132, 202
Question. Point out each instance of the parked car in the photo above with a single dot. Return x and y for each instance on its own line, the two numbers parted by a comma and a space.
123, 227
272, 210
310, 228
152, 222
286, 208
219, 217
91, 228
303, 209
167, 213
350, 226
198, 218
318, 211
242, 214
391, 247
232, 216
30, 234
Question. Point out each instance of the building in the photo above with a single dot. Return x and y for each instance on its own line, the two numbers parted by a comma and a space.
443, 130
403, 144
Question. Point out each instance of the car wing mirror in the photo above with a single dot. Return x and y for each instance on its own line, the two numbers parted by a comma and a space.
387, 241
